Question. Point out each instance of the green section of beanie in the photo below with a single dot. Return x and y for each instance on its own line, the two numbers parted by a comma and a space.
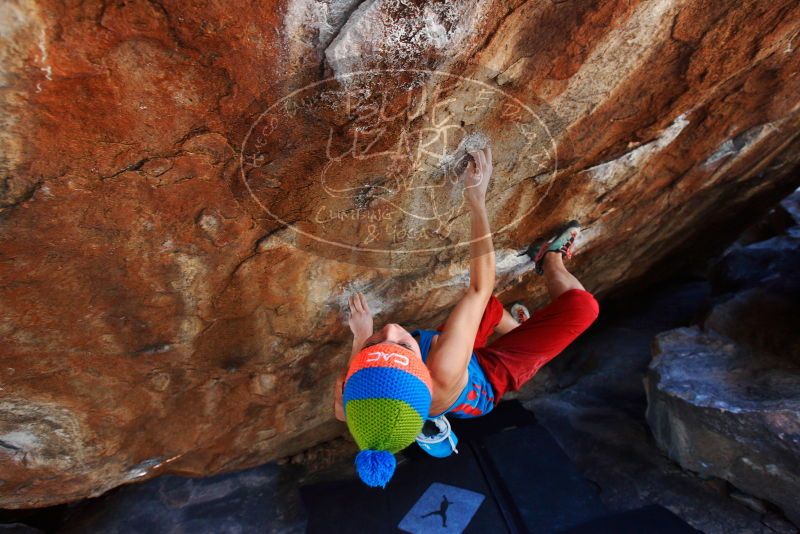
383, 424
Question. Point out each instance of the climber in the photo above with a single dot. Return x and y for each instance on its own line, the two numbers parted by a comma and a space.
396, 379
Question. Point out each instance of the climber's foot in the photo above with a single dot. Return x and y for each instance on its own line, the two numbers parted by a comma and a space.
562, 242
520, 312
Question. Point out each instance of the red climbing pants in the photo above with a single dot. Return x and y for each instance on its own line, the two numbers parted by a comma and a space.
513, 358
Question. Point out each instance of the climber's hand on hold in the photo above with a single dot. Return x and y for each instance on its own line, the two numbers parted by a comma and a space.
361, 325
449, 360
476, 177
360, 317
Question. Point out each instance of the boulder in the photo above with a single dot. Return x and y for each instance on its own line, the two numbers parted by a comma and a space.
251, 500
724, 401
189, 192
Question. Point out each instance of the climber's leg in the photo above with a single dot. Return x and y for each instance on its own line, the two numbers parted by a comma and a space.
513, 358
556, 277
507, 323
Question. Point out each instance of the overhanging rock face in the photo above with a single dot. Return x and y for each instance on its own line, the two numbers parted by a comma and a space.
189, 193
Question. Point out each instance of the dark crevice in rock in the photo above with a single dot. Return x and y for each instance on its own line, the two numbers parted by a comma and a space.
10, 447
132, 167
194, 132
10, 199
182, 141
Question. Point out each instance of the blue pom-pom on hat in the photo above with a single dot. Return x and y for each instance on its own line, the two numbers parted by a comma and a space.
375, 468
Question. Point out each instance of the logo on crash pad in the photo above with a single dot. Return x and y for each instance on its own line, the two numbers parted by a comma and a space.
442, 508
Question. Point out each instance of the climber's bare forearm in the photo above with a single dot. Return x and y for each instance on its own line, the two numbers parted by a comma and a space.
338, 409
448, 361
358, 342
482, 264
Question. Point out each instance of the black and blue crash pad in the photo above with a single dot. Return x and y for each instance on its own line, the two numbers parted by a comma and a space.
351, 506
541, 482
653, 519
509, 475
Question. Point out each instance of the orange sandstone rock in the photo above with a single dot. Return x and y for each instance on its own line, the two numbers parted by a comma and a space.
190, 191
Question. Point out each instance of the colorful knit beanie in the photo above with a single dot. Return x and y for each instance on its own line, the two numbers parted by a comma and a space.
386, 399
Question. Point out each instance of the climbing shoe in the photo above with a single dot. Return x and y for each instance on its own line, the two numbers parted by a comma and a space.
520, 312
561, 242
437, 438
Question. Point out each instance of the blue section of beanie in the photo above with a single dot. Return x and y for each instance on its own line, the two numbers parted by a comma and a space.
375, 468
388, 383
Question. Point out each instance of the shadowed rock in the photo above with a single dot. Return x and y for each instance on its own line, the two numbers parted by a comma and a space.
725, 400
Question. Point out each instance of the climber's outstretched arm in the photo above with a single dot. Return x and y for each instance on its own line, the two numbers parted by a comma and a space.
448, 360
361, 325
